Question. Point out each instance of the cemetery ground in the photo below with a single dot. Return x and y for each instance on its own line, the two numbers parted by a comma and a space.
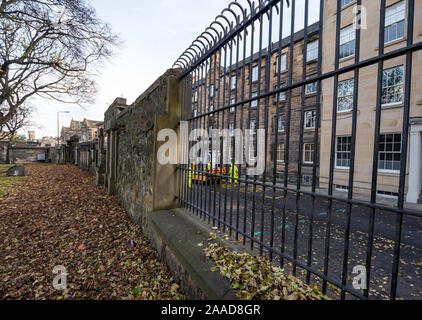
56, 216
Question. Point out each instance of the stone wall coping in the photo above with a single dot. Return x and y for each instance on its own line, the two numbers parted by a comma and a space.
149, 91
182, 235
29, 148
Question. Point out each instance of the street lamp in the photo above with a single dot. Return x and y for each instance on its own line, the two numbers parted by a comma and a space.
58, 126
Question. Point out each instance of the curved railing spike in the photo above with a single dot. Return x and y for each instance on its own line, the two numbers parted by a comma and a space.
213, 37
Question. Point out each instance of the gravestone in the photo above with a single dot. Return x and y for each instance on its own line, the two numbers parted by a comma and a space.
16, 171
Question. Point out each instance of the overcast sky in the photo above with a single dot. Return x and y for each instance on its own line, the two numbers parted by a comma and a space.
154, 34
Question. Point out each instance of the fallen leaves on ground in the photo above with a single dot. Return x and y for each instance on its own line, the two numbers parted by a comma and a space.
58, 217
257, 278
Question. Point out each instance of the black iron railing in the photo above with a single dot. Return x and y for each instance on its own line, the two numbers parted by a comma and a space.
275, 212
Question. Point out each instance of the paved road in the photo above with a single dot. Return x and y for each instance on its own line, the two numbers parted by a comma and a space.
229, 204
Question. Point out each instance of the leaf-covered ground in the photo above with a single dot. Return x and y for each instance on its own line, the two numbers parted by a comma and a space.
58, 217
256, 278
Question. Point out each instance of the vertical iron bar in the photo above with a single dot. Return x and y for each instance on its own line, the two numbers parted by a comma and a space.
301, 130
287, 128
376, 142
316, 139
267, 101
405, 140
333, 147
277, 114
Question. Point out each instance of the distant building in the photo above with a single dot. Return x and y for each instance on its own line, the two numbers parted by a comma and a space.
31, 136
47, 142
90, 130
86, 130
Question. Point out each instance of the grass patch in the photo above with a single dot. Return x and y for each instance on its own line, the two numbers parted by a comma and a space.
6, 183
4, 168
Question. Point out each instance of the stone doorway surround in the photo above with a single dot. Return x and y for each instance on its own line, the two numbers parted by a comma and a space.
415, 157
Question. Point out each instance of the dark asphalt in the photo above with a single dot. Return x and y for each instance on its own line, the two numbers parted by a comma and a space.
223, 202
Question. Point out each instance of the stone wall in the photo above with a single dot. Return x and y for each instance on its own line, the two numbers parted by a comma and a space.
26, 154
131, 168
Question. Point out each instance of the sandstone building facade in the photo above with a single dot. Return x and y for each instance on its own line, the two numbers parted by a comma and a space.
392, 101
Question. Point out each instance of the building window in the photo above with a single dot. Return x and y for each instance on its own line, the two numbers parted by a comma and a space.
390, 152
311, 88
280, 125
282, 96
310, 119
342, 188
394, 22
343, 152
345, 95
252, 125
307, 180
280, 152
211, 108
312, 51
387, 194
280, 176
231, 128
347, 42
195, 112
281, 64
255, 74
392, 86
233, 81
195, 96
254, 103
308, 153
212, 90
232, 102
346, 2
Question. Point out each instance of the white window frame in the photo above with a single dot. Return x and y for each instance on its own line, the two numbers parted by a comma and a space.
280, 151
233, 82
232, 102
283, 66
281, 118
311, 85
212, 89
305, 151
394, 20
231, 128
254, 126
254, 103
393, 152
312, 51
255, 73
313, 115
345, 96
387, 196
341, 188
396, 85
347, 35
337, 166
344, 4
282, 96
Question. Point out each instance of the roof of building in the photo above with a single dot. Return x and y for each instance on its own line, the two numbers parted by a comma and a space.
92, 123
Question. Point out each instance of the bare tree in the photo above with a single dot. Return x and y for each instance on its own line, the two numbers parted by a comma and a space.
49, 48
18, 121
